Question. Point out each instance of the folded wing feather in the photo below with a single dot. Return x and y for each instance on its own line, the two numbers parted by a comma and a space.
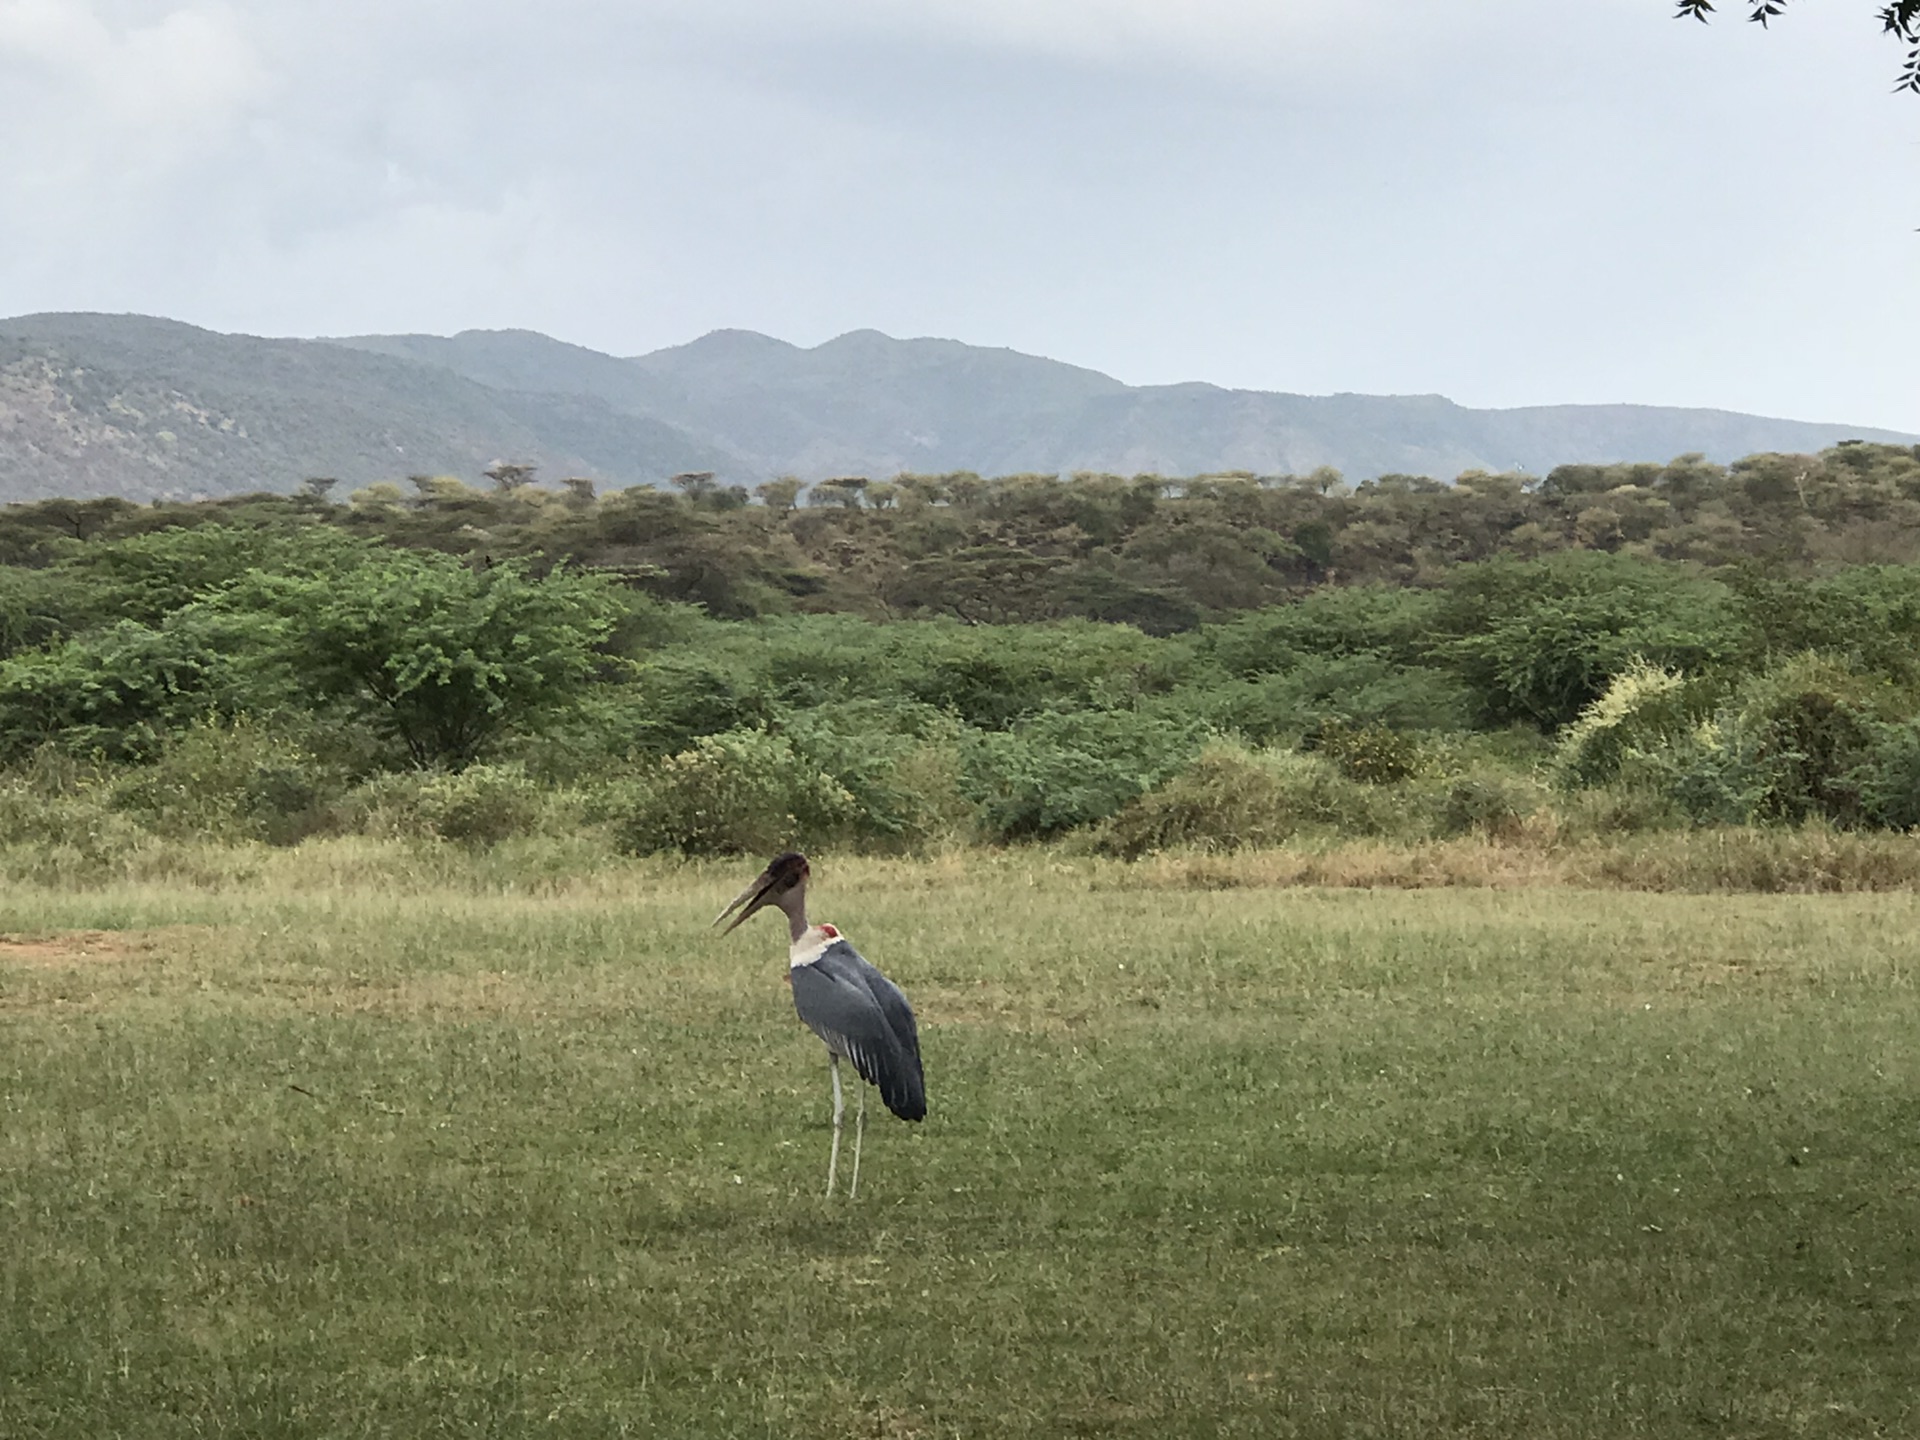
863, 1015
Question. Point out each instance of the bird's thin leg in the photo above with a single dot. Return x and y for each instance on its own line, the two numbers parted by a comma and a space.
839, 1110
859, 1134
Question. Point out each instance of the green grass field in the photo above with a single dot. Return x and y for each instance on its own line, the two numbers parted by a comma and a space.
319, 1154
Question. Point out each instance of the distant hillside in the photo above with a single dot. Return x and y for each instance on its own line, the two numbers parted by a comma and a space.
130, 405
867, 404
127, 405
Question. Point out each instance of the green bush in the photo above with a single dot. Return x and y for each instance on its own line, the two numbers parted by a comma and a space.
932, 777
1539, 641
748, 792
1618, 809
1370, 753
1868, 614
1801, 741
1810, 723
678, 699
992, 679
1644, 707
230, 780
484, 804
985, 676
1888, 781
480, 806
444, 659
148, 577
1711, 772
1063, 769
55, 800
1332, 690
117, 691
1374, 622
1487, 803
1231, 798
57, 823
898, 761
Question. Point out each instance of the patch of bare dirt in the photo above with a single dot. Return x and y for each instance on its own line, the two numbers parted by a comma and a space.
66, 971
74, 949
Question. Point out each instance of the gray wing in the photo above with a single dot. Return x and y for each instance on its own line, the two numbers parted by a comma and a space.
861, 1014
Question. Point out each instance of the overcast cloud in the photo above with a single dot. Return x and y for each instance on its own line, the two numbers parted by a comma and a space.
1505, 201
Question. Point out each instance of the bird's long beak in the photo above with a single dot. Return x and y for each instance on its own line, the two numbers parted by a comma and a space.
752, 898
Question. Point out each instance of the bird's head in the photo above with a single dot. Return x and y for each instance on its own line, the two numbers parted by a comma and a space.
781, 884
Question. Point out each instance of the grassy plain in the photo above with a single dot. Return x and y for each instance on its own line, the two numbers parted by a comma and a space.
356, 1147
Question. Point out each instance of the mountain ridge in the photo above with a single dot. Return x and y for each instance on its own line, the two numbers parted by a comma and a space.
148, 407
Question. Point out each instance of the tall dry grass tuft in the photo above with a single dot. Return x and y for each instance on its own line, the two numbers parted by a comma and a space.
1468, 862
1809, 859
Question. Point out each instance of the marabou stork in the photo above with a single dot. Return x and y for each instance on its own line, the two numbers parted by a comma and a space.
856, 1010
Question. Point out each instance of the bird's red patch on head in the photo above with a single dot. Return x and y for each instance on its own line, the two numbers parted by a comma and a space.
829, 932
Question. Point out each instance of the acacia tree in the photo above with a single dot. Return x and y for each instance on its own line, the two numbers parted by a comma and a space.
442, 657
1900, 19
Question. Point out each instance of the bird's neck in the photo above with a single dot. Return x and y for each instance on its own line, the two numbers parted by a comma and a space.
795, 906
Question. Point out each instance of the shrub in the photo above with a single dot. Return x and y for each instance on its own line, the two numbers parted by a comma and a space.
53, 801
1809, 723
1374, 622
1333, 690
483, 804
1539, 641
1621, 809
994, 678
56, 823
478, 807
986, 677
1711, 772
230, 780
1231, 798
1370, 753
900, 762
118, 690
1644, 707
747, 792
1795, 743
1888, 780
1064, 769
1868, 613
1487, 803
445, 659
933, 778
678, 699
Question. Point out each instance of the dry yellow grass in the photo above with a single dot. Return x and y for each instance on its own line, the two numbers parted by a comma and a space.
1810, 860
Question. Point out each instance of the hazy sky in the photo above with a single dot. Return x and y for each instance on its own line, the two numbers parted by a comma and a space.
1505, 201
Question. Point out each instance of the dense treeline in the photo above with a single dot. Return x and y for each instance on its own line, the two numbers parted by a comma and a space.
1612, 648
1158, 554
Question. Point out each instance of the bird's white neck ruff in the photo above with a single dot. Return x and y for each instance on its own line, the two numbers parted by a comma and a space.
811, 946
